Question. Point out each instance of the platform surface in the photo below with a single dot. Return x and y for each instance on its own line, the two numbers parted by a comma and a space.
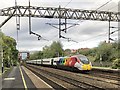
17, 79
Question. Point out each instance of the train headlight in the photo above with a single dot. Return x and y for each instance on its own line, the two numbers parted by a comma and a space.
90, 64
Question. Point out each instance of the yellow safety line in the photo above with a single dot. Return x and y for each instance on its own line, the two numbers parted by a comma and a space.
23, 79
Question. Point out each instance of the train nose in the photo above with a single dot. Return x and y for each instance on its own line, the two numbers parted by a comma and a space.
86, 67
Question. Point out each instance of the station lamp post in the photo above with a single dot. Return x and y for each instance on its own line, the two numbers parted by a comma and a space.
1, 51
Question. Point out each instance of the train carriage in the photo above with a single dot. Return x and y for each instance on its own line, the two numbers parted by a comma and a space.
80, 62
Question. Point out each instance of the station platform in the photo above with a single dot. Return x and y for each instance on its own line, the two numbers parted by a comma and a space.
20, 78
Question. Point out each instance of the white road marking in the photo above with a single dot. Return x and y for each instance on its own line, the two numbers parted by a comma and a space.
23, 79
9, 78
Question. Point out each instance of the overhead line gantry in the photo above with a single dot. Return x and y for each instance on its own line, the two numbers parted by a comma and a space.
59, 13
52, 12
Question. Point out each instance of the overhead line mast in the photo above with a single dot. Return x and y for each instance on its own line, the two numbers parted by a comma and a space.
17, 23
29, 19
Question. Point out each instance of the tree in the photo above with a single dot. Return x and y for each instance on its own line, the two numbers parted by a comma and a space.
104, 50
54, 50
34, 56
67, 52
10, 52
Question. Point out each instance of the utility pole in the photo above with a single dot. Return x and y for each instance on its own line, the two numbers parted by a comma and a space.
109, 33
109, 28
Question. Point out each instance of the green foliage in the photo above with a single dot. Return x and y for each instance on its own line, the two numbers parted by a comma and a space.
107, 51
67, 52
10, 52
54, 50
34, 55
116, 64
104, 49
91, 58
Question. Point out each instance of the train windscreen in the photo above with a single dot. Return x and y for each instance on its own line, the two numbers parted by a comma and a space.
84, 59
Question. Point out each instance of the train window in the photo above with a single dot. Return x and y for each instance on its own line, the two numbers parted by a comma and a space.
84, 59
46, 61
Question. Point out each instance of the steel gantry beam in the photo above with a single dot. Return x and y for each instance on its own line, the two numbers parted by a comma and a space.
51, 12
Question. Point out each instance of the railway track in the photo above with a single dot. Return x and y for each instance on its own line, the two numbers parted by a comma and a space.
106, 76
103, 74
115, 82
46, 79
76, 83
96, 73
90, 79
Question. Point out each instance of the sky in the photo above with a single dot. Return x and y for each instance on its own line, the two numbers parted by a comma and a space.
88, 33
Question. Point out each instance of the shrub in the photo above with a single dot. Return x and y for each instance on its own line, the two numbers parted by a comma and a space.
116, 64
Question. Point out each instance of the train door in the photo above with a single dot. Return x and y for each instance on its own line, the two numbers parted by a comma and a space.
41, 61
52, 60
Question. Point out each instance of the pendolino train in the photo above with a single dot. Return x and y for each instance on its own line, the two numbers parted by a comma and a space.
80, 62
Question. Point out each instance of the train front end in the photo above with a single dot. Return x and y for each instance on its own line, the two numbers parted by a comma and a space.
86, 67
83, 63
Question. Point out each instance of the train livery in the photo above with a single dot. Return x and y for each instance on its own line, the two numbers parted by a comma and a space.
80, 62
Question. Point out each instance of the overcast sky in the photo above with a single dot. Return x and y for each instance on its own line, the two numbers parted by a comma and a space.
88, 33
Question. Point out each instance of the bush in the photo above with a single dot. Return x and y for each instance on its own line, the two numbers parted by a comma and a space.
116, 64
14, 63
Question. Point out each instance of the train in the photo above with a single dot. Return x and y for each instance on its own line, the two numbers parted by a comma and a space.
79, 62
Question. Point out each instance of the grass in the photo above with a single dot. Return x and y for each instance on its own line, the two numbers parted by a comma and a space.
102, 67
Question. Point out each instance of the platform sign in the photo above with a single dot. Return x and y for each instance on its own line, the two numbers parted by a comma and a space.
24, 55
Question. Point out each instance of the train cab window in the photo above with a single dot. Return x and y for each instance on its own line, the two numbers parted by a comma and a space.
84, 59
